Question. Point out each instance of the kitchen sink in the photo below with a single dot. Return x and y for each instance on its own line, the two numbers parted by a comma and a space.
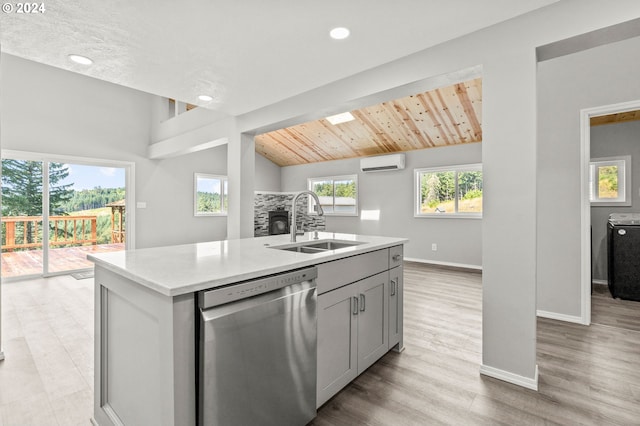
319, 246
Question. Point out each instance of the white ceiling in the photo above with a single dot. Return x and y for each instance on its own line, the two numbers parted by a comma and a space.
245, 53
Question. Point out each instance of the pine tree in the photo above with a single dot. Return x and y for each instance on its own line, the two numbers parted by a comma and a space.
22, 189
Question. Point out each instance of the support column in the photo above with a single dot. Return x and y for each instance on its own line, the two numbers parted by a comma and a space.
241, 158
509, 216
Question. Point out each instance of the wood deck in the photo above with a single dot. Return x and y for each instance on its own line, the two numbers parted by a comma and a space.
20, 263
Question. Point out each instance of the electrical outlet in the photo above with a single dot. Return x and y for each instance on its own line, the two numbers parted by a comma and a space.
434, 247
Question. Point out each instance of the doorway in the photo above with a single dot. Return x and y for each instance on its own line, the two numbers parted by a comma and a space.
57, 210
585, 218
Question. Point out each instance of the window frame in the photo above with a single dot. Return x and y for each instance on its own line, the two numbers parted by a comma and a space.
223, 193
624, 194
333, 179
417, 213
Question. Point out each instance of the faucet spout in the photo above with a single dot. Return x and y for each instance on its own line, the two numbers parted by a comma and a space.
294, 227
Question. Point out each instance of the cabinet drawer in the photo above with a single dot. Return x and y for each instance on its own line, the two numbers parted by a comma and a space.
395, 256
332, 275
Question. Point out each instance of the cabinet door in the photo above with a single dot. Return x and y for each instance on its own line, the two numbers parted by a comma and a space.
373, 319
396, 291
337, 341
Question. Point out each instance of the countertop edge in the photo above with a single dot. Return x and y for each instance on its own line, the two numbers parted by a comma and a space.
252, 274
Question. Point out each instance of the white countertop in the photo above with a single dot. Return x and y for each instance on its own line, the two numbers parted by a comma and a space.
181, 269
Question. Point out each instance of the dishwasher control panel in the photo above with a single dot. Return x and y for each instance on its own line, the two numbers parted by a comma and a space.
243, 290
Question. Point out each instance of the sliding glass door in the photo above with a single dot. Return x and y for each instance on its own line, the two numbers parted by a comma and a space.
85, 212
22, 220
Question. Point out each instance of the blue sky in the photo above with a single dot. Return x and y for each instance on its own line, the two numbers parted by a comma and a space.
89, 177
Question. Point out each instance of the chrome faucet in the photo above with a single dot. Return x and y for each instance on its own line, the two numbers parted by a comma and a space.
294, 227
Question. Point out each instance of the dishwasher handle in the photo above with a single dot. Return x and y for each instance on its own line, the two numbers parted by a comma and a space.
216, 312
246, 289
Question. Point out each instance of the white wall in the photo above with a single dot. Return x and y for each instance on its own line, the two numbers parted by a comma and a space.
267, 175
599, 76
613, 140
459, 240
48, 110
507, 53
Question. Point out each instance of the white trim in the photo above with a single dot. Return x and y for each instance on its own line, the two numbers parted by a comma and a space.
1, 355
46, 194
560, 317
624, 185
437, 262
333, 179
585, 213
275, 192
417, 213
516, 379
222, 178
600, 282
476, 216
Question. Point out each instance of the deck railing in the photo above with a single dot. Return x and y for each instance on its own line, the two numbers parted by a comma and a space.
64, 230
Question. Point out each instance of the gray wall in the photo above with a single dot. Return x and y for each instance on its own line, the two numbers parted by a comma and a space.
52, 111
267, 176
459, 240
507, 54
595, 77
609, 141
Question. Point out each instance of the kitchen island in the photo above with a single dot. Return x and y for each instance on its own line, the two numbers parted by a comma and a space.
146, 315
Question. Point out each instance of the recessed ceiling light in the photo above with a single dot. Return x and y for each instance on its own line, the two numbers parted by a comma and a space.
339, 33
82, 60
340, 118
205, 98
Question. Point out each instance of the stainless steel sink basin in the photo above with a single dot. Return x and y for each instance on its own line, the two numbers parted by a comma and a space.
331, 245
319, 246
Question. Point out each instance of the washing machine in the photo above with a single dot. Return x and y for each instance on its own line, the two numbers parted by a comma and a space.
623, 255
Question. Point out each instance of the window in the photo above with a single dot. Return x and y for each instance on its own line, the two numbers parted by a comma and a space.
610, 181
449, 191
338, 195
210, 198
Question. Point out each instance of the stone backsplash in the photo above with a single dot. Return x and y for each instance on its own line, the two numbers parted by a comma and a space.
264, 202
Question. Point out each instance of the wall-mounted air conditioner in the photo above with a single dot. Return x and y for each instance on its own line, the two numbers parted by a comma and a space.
382, 163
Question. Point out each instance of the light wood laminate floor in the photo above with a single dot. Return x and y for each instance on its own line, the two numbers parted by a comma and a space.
588, 375
47, 338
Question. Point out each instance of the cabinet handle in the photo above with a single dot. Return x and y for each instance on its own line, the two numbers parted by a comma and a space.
393, 287
355, 305
395, 257
362, 303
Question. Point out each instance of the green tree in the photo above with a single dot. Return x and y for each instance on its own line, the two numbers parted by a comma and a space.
345, 188
470, 184
22, 189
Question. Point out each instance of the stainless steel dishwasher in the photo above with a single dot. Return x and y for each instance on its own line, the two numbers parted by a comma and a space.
257, 351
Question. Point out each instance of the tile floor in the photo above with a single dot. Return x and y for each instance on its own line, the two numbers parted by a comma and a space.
47, 335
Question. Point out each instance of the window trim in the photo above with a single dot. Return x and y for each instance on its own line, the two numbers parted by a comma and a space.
454, 168
223, 181
353, 177
626, 182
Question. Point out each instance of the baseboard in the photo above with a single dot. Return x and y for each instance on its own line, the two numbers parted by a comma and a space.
506, 376
1, 355
560, 317
600, 282
449, 264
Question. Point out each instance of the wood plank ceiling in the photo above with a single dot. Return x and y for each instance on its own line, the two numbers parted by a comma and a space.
444, 116
615, 118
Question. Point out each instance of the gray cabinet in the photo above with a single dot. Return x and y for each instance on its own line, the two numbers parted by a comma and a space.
352, 332
359, 316
396, 295
396, 298
337, 341
373, 319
